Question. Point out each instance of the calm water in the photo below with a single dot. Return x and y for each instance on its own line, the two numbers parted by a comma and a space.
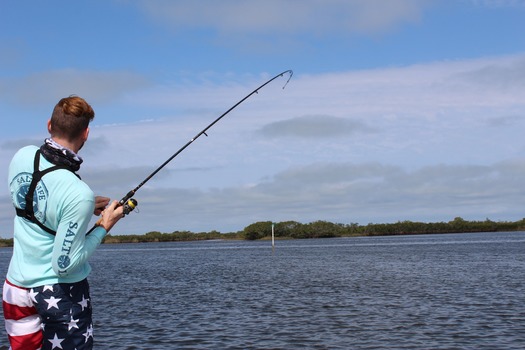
410, 292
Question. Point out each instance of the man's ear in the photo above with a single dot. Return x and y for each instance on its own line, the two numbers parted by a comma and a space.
49, 126
86, 134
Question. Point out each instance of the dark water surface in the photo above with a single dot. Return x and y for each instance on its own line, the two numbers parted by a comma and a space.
455, 291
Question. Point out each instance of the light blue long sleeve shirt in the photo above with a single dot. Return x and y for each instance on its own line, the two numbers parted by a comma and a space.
63, 203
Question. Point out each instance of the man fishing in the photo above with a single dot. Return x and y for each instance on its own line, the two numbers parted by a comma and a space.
46, 297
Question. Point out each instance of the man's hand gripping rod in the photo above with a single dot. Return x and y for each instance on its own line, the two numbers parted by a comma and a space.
130, 203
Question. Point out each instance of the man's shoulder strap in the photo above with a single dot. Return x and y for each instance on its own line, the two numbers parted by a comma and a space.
28, 212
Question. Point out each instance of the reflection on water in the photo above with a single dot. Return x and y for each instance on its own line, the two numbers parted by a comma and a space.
407, 292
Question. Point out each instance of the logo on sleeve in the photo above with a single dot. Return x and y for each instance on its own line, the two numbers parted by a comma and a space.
63, 261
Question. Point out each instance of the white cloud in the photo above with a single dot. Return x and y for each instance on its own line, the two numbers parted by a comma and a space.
422, 142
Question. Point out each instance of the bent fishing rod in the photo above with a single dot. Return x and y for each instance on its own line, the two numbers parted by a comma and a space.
130, 203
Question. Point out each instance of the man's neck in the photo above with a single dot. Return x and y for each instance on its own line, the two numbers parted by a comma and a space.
64, 143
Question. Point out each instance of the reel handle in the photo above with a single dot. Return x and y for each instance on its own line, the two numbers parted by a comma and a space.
130, 205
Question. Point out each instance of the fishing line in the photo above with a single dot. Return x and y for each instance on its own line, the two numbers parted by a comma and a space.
130, 203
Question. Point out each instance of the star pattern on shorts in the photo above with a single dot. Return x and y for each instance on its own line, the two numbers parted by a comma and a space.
72, 324
83, 303
33, 294
89, 333
47, 287
52, 302
56, 342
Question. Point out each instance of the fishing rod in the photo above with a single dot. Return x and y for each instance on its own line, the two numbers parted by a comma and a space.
130, 203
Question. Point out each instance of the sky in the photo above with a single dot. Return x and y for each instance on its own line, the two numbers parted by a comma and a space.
397, 109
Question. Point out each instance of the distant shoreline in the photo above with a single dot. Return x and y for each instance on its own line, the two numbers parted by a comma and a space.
318, 229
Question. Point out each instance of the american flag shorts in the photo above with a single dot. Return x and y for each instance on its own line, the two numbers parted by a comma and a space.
57, 316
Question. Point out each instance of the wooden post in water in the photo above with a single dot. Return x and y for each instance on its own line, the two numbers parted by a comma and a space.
273, 236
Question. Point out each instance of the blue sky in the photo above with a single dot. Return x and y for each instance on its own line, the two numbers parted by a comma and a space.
397, 110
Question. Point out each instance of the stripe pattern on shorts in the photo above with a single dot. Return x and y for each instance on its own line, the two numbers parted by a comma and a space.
22, 322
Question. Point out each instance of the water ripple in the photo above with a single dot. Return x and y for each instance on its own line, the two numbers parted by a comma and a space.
409, 292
